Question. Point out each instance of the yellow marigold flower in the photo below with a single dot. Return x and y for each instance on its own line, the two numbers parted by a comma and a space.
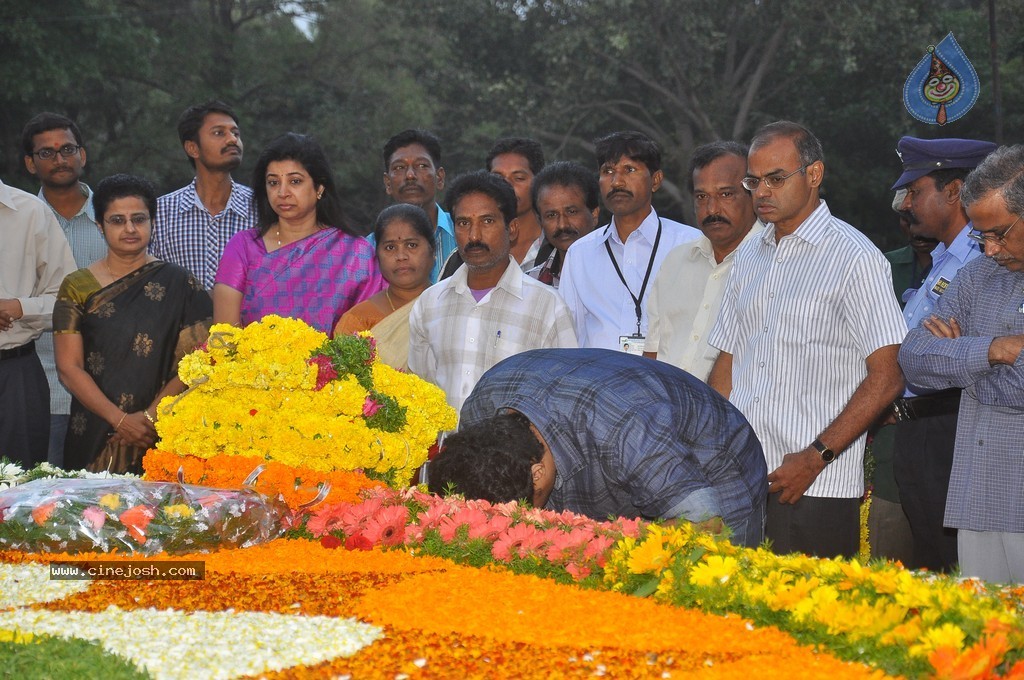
946, 635
650, 556
713, 569
110, 500
179, 510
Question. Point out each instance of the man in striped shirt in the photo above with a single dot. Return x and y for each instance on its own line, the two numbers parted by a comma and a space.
809, 332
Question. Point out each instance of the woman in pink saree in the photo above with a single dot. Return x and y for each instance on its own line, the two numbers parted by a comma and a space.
301, 260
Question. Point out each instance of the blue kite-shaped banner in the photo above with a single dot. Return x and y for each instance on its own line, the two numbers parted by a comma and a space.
943, 86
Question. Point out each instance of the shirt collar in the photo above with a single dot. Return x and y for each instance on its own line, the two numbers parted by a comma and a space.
702, 245
7, 196
236, 202
812, 230
86, 208
648, 229
444, 221
962, 248
511, 280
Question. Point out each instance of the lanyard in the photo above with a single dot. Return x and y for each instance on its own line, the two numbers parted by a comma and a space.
637, 301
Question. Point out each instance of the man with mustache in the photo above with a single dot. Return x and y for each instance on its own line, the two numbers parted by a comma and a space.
488, 310
55, 153
974, 341
193, 224
808, 331
565, 198
413, 174
607, 273
933, 175
687, 292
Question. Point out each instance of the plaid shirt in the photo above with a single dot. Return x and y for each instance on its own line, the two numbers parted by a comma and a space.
185, 233
631, 437
986, 485
454, 338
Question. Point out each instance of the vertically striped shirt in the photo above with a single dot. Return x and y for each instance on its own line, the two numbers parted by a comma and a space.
454, 338
185, 233
800, 318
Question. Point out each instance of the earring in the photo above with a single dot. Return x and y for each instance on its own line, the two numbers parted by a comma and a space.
320, 194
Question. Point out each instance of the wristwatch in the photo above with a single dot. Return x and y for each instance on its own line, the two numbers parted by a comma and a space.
827, 454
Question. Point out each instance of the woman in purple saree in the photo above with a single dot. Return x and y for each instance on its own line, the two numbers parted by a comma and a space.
300, 261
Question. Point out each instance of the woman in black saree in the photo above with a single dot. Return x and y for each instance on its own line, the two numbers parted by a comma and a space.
120, 327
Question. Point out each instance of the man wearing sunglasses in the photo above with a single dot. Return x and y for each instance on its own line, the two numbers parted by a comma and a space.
808, 331
933, 174
55, 154
975, 341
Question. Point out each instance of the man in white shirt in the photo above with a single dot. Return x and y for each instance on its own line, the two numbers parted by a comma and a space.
607, 274
489, 309
34, 260
809, 332
687, 292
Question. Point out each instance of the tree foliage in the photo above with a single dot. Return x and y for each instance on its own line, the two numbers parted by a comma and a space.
353, 72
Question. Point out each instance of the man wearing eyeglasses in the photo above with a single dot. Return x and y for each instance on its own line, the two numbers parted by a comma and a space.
975, 341
680, 322
55, 154
34, 260
933, 174
809, 332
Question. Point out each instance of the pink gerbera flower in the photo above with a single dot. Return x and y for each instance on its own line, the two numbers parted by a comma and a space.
326, 519
388, 526
517, 541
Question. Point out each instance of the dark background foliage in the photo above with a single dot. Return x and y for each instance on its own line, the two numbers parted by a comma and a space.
353, 72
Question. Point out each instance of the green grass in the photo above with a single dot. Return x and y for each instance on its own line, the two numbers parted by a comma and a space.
46, 658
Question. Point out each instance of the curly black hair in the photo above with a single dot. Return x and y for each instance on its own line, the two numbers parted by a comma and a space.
490, 461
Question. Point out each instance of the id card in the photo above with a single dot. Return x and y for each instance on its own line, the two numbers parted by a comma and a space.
632, 344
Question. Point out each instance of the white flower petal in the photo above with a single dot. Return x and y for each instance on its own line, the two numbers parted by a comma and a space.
22, 584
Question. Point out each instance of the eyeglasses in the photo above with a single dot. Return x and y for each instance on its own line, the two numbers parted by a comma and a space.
750, 183
67, 151
989, 237
120, 220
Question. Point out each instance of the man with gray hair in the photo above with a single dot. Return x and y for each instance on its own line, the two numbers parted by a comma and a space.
975, 341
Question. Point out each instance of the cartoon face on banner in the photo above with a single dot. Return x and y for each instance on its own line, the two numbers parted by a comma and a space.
943, 86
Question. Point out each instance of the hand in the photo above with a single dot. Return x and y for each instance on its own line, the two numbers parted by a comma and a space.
1005, 349
136, 430
713, 525
10, 311
941, 328
798, 470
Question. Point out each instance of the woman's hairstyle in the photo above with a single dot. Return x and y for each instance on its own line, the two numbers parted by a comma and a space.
122, 186
305, 151
405, 212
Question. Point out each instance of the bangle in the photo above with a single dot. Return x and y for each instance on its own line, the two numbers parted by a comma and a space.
123, 416
149, 417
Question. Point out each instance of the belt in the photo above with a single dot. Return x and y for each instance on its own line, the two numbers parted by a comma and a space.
927, 406
24, 350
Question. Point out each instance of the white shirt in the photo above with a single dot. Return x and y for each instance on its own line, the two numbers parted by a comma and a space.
454, 339
800, 318
684, 303
602, 307
34, 259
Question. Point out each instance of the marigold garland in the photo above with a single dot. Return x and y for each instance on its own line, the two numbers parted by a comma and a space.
297, 485
259, 392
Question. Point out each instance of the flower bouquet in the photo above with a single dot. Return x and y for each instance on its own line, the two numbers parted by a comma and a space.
282, 391
135, 517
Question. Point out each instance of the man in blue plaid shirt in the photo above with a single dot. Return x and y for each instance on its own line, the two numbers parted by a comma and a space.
603, 433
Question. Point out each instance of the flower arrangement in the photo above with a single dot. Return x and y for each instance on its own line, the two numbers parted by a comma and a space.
909, 623
296, 486
563, 546
135, 517
281, 390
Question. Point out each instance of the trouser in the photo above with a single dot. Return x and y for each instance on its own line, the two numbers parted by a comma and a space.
993, 556
923, 460
24, 409
823, 527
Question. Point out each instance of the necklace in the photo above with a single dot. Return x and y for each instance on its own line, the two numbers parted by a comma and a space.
277, 231
387, 292
106, 266
279, 237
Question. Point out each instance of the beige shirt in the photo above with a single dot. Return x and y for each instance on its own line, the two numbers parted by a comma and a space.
684, 303
34, 259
